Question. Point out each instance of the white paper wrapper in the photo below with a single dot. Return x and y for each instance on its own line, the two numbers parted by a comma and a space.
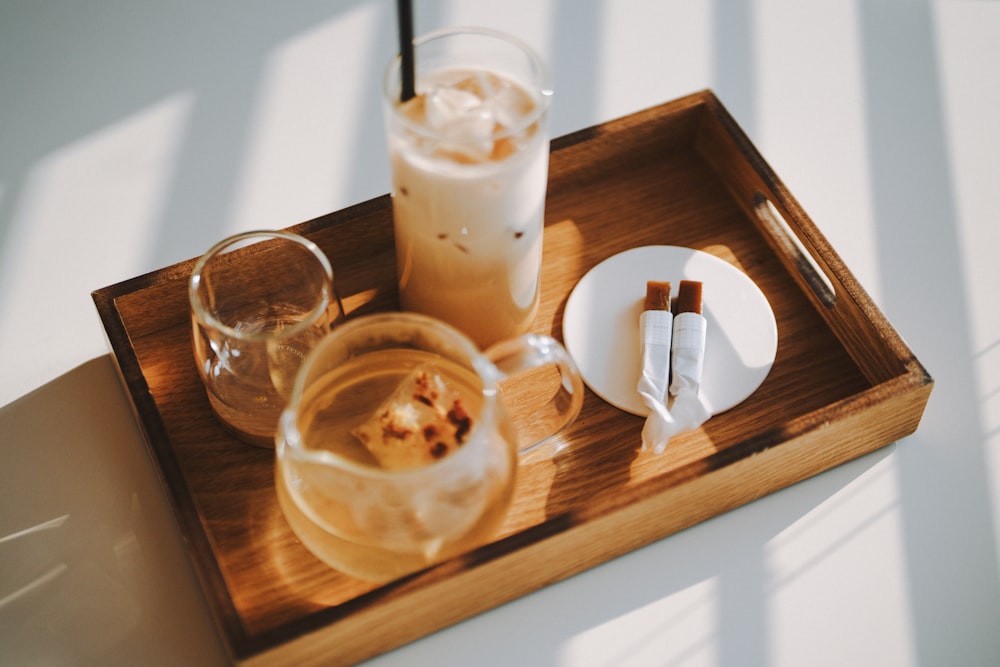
655, 331
687, 361
671, 347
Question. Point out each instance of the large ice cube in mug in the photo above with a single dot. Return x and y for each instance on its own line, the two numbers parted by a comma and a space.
423, 421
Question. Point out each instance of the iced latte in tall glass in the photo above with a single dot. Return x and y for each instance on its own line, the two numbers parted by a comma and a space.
469, 156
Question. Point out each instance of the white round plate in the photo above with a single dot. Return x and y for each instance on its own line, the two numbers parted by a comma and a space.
601, 325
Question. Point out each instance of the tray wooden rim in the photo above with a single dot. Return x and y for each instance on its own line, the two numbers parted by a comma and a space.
244, 647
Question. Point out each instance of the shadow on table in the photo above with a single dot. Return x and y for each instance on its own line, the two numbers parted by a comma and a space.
948, 526
92, 568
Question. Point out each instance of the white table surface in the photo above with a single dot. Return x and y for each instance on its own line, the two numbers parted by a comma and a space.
136, 134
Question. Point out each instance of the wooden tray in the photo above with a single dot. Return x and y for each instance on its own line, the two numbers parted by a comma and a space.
683, 173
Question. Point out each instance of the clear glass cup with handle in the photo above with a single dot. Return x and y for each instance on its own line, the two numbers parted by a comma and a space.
260, 301
396, 451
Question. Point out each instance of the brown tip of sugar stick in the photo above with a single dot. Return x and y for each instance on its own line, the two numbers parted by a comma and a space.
689, 297
657, 296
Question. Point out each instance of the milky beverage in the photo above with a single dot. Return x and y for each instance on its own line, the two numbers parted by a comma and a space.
469, 160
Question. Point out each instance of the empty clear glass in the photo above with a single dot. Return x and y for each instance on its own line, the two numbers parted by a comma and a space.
260, 301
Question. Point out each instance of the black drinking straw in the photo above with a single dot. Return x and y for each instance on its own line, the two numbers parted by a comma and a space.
404, 11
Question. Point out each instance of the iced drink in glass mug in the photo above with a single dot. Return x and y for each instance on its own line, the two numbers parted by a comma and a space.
469, 157
395, 450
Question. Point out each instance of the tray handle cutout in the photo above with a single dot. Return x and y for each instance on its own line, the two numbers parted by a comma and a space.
807, 266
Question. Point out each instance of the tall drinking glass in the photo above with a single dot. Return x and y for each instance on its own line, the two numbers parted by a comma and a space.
469, 157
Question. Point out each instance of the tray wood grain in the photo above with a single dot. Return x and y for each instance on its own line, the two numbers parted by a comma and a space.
682, 173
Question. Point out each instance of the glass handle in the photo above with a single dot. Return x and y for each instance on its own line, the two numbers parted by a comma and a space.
540, 387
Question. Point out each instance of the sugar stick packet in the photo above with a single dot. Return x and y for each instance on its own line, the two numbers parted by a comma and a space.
655, 331
687, 358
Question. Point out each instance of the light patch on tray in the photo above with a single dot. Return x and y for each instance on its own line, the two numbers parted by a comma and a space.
423, 421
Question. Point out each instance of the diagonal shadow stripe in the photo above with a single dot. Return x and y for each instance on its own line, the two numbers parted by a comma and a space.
951, 557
